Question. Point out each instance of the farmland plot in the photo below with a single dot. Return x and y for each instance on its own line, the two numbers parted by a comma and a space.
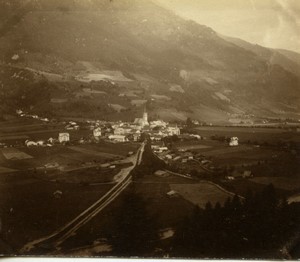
89, 151
193, 147
200, 194
286, 183
227, 149
14, 154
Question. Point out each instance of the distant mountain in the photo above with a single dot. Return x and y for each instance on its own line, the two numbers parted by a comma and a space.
146, 53
289, 60
294, 56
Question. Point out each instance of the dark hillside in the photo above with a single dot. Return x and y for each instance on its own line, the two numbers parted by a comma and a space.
220, 80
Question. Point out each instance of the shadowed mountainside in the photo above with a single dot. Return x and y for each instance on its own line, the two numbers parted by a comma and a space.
193, 70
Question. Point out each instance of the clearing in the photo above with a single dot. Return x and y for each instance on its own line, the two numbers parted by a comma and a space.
200, 194
103, 75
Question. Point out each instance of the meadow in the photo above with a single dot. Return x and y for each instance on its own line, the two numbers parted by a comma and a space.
254, 134
201, 193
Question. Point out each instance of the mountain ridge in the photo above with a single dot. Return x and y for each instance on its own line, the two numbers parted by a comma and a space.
221, 80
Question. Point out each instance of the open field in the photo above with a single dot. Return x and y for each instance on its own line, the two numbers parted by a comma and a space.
91, 152
65, 157
285, 183
34, 210
224, 129
29, 209
87, 176
242, 187
192, 147
114, 148
13, 137
18, 121
270, 135
23, 128
267, 164
199, 194
245, 157
14, 154
225, 149
223, 155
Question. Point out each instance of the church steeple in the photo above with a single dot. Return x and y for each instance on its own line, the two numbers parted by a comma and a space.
145, 117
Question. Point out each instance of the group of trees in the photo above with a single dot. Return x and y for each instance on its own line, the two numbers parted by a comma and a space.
135, 232
259, 224
238, 229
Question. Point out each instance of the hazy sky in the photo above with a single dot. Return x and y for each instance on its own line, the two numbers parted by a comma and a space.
271, 23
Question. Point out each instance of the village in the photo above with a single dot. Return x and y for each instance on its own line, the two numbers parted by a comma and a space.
116, 132
182, 152
185, 151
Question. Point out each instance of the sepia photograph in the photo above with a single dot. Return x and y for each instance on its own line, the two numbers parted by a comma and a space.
164, 129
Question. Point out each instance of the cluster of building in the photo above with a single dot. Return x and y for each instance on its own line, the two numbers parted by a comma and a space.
112, 131
62, 138
129, 131
178, 155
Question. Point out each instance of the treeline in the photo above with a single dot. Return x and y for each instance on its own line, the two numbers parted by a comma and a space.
241, 228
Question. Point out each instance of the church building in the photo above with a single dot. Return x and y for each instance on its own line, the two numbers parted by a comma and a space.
142, 121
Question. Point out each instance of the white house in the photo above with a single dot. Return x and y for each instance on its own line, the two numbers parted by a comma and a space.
51, 140
44, 119
97, 132
63, 137
40, 143
234, 141
72, 123
162, 149
196, 136
136, 137
29, 143
173, 130
159, 123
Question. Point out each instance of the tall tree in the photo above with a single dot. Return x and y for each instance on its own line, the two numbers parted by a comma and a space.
136, 233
